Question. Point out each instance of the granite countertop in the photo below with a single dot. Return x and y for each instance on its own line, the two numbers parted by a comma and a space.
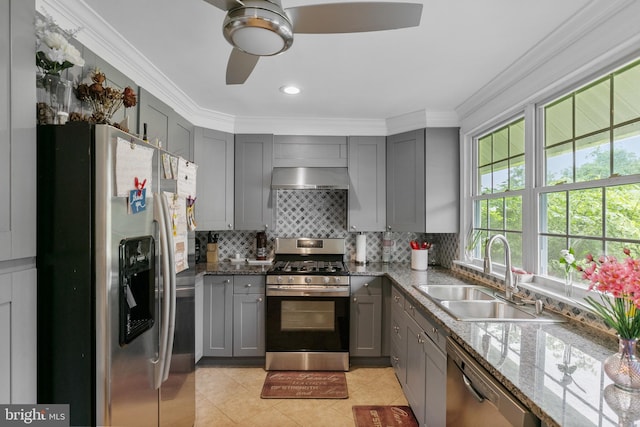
553, 368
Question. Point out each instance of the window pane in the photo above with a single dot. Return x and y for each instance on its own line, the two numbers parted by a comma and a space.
582, 247
496, 214
516, 173
501, 145
559, 164
484, 180
516, 138
501, 176
585, 212
553, 208
515, 243
513, 207
626, 149
484, 213
558, 122
592, 108
623, 211
550, 255
592, 157
616, 249
626, 102
484, 151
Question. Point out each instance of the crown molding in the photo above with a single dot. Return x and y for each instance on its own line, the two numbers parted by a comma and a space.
421, 119
551, 47
311, 126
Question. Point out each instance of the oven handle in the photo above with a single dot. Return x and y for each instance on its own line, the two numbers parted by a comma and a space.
307, 292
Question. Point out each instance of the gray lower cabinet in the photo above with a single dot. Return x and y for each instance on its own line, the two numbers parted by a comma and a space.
419, 358
218, 316
248, 316
214, 154
423, 180
367, 189
234, 323
253, 205
366, 317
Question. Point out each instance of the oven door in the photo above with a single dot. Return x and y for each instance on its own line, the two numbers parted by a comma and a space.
307, 324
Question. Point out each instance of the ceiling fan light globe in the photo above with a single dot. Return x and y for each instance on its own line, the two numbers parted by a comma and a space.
258, 31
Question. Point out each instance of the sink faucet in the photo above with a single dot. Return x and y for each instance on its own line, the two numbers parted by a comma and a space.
508, 275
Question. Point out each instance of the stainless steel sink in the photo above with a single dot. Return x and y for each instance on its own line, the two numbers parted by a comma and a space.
477, 303
455, 293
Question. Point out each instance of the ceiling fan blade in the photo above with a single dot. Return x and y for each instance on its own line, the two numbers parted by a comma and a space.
240, 66
225, 4
354, 17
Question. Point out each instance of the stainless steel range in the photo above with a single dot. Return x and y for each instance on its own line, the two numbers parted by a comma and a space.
307, 316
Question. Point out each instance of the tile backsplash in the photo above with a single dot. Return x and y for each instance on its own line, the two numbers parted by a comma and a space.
323, 213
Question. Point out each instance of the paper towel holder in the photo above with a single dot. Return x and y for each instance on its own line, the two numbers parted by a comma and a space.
361, 249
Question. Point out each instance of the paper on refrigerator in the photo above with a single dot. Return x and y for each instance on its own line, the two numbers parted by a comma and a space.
132, 161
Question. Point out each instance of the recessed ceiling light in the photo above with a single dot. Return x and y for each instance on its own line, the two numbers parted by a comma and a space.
290, 90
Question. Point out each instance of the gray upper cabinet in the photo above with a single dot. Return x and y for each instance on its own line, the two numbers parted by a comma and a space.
422, 180
174, 132
214, 154
253, 196
367, 191
17, 131
310, 151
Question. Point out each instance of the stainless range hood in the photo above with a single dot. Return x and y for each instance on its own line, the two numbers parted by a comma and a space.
309, 178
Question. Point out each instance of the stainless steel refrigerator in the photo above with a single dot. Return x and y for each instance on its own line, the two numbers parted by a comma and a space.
115, 323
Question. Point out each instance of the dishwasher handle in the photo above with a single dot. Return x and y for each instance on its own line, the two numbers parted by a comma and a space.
467, 383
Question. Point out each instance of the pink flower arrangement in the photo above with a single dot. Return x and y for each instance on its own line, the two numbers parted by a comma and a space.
618, 283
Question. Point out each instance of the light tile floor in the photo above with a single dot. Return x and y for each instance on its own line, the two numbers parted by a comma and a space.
230, 396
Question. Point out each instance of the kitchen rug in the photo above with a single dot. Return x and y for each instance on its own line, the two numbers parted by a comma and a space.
304, 385
387, 416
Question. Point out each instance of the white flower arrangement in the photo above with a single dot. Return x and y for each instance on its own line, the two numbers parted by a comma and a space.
54, 53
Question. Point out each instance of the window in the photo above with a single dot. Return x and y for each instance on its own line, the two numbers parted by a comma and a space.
590, 197
587, 183
499, 178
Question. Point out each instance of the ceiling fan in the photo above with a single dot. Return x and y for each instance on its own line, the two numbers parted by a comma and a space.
258, 28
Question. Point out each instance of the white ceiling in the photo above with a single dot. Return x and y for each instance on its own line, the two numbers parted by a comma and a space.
459, 47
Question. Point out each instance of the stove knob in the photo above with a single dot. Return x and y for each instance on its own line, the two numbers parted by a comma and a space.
307, 279
325, 280
290, 279
279, 279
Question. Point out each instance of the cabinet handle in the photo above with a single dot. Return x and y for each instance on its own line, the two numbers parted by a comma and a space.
227, 281
353, 227
396, 298
266, 226
396, 329
229, 226
420, 339
395, 359
248, 285
260, 299
434, 330
366, 285
355, 299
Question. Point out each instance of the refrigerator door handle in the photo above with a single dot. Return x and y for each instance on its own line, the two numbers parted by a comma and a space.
172, 287
164, 264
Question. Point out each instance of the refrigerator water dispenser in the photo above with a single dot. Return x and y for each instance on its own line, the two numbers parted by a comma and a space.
136, 287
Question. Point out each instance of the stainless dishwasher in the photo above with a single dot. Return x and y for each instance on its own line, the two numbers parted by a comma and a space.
475, 398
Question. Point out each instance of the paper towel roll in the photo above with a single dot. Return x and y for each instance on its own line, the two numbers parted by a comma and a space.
361, 248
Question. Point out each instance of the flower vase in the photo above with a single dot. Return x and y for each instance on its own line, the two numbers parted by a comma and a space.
54, 99
623, 367
568, 284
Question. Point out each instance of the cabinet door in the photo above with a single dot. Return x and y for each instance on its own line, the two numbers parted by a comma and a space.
156, 114
248, 325
199, 317
405, 181
17, 131
442, 168
218, 316
366, 326
214, 157
436, 380
367, 189
415, 384
253, 198
181, 137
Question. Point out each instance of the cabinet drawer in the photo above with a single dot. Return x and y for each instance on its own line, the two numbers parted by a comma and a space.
366, 285
215, 280
430, 328
243, 285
